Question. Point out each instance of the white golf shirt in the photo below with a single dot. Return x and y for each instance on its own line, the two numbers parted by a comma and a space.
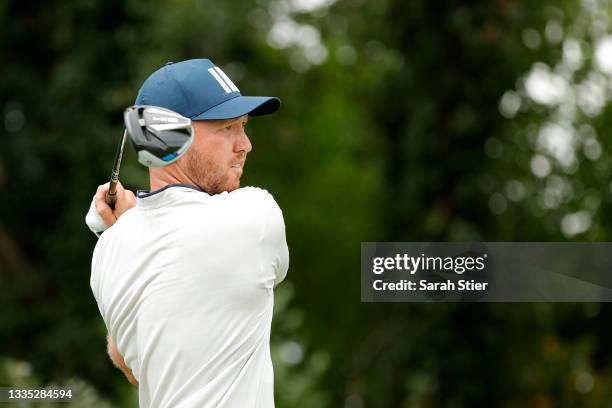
184, 282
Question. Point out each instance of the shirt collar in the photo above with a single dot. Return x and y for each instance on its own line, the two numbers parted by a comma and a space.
147, 193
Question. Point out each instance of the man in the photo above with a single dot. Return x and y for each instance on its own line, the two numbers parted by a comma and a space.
184, 278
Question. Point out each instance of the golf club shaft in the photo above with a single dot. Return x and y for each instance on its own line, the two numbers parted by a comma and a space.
111, 196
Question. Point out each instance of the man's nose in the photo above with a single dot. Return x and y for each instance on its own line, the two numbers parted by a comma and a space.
244, 144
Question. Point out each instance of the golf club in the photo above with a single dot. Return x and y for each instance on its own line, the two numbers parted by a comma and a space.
111, 195
159, 136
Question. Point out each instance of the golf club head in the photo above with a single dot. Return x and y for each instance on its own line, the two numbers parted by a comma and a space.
159, 136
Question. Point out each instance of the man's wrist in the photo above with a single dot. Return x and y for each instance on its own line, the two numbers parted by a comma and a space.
94, 221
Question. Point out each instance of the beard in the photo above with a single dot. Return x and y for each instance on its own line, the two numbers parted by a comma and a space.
209, 175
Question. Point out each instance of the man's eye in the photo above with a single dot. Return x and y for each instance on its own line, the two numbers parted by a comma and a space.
228, 127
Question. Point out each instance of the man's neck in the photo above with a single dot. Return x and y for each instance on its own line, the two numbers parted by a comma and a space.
159, 178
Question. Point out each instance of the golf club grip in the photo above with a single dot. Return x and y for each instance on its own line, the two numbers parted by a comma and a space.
111, 199
111, 195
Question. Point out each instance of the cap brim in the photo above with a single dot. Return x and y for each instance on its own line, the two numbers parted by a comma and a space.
239, 106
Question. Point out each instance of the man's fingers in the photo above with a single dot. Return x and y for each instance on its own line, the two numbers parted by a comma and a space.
127, 195
131, 198
102, 190
120, 188
125, 201
106, 213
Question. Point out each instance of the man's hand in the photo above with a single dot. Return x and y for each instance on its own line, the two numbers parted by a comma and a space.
125, 201
117, 359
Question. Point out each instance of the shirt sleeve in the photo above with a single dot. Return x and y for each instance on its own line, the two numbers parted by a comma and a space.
275, 252
93, 219
95, 281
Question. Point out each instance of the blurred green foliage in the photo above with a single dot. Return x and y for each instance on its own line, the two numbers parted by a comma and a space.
401, 120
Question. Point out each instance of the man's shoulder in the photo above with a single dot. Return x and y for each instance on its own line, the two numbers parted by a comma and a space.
251, 191
257, 202
251, 195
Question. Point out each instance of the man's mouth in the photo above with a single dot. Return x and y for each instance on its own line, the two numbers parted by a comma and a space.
237, 166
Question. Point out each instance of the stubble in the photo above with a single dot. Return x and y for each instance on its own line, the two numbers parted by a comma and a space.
208, 175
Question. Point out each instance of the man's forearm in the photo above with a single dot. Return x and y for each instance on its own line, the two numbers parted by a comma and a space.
117, 359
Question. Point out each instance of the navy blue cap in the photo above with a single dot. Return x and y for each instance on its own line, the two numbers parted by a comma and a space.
199, 90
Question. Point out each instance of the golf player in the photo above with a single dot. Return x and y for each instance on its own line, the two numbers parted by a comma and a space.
184, 274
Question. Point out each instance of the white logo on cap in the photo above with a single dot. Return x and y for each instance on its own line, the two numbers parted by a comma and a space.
223, 80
